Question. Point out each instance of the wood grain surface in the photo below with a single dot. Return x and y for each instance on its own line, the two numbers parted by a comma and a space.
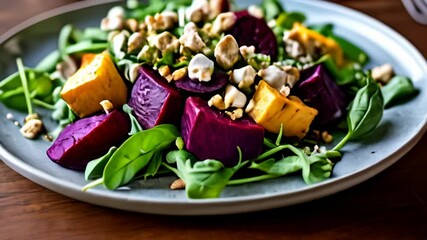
391, 205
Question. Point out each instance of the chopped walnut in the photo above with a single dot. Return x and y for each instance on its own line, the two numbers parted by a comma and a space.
235, 114
32, 127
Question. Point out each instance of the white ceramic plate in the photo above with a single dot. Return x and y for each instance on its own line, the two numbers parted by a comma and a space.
399, 130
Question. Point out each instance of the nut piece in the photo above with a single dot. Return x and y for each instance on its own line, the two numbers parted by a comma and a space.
223, 22
383, 73
177, 184
133, 72
191, 38
201, 68
326, 137
233, 97
235, 114
218, 102
32, 128
179, 73
227, 52
293, 75
107, 106
164, 70
247, 52
161, 21
198, 11
164, 41
135, 42
120, 44
243, 77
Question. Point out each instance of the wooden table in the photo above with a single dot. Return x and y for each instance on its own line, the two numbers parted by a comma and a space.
391, 205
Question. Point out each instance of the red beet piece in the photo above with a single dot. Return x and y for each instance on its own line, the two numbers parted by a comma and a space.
88, 139
318, 90
251, 31
194, 87
209, 134
154, 100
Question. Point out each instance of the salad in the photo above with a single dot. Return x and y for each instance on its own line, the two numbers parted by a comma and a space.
213, 94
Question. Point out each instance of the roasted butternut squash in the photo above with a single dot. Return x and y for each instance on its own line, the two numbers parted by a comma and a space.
272, 109
92, 83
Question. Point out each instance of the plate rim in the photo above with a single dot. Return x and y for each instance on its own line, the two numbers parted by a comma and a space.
220, 205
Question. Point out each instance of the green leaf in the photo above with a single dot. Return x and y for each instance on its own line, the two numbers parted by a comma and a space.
95, 168
315, 167
365, 112
203, 179
398, 90
286, 20
135, 126
135, 153
271, 9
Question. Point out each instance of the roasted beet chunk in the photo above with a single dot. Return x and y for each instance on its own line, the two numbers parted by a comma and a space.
209, 134
252, 31
88, 139
318, 90
195, 87
153, 100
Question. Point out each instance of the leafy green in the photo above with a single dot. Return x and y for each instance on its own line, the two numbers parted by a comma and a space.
365, 112
271, 9
12, 90
136, 153
286, 20
95, 168
135, 126
398, 90
203, 179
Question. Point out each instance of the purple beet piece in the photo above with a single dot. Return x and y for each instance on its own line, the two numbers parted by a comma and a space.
318, 90
88, 139
193, 86
251, 31
153, 100
209, 134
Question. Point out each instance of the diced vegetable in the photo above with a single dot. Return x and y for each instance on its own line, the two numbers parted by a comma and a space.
153, 100
93, 83
307, 37
88, 139
319, 91
217, 83
209, 134
272, 109
252, 31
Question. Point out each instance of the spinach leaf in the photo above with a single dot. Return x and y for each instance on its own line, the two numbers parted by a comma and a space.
203, 179
398, 90
95, 168
135, 154
365, 112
